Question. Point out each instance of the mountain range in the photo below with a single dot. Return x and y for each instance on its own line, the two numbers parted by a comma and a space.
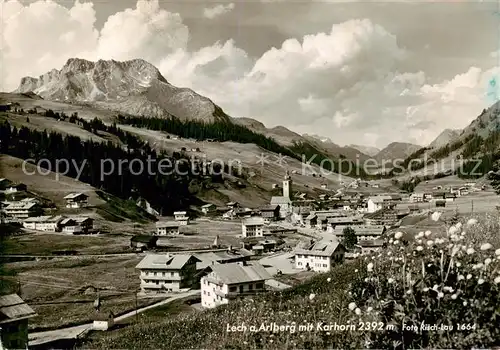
136, 87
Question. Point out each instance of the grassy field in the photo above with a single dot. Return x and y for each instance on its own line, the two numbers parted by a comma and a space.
409, 283
151, 316
73, 280
46, 243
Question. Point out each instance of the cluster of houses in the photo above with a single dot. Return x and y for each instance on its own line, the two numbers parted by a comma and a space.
29, 213
221, 275
59, 223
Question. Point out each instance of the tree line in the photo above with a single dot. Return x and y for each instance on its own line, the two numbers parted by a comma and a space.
168, 190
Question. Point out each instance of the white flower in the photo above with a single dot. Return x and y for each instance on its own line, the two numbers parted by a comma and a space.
398, 235
470, 251
435, 287
369, 267
390, 280
427, 233
497, 252
356, 270
487, 261
497, 280
454, 296
367, 280
328, 279
458, 225
408, 291
352, 306
453, 230
389, 253
440, 295
419, 241
471, 222
420, 248
460, 277
448, 289
391, 240
396, 242
469, 276
486, 246
426, 289
464, 303
480, 281
420, 234
312, 296
435, 216
357, 311
458, 264
369, 309
477, 266
430, 243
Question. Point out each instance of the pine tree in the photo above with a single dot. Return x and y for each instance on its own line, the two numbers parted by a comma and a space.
350, 238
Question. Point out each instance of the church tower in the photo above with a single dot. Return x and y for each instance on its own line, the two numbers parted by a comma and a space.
287, 185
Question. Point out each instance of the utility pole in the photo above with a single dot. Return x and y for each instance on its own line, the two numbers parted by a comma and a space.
472, 205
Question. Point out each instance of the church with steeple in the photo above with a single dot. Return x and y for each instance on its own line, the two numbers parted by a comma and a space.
284, 201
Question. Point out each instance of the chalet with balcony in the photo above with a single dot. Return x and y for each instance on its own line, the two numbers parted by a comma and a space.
252, 227
77, 225
167, 228
167, 273
227, 282
320, 256
76, 200
181, 217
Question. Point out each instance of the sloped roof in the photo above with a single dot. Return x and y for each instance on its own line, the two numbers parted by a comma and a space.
75, 195
170, 224
253, 220
345, 219
277, 200
320, 248
159, 261
103, 316
236, 273
20, 206
12, 308
372, 230
380, 199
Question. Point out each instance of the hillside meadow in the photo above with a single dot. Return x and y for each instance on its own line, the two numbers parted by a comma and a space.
433, 290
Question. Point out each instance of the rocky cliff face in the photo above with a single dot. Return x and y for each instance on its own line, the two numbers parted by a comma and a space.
133, 87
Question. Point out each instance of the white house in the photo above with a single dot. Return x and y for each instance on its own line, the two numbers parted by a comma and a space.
103, 321
76, 200
417, 197
43, 223
167, 228
77, 224
252, 227
320, 256
229, 281
167, 273
377, 203
22, 210
208, 208
181, 217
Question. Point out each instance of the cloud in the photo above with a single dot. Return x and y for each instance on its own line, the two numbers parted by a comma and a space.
218, 10
348, 83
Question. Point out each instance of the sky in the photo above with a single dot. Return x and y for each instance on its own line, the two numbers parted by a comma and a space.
357, 72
